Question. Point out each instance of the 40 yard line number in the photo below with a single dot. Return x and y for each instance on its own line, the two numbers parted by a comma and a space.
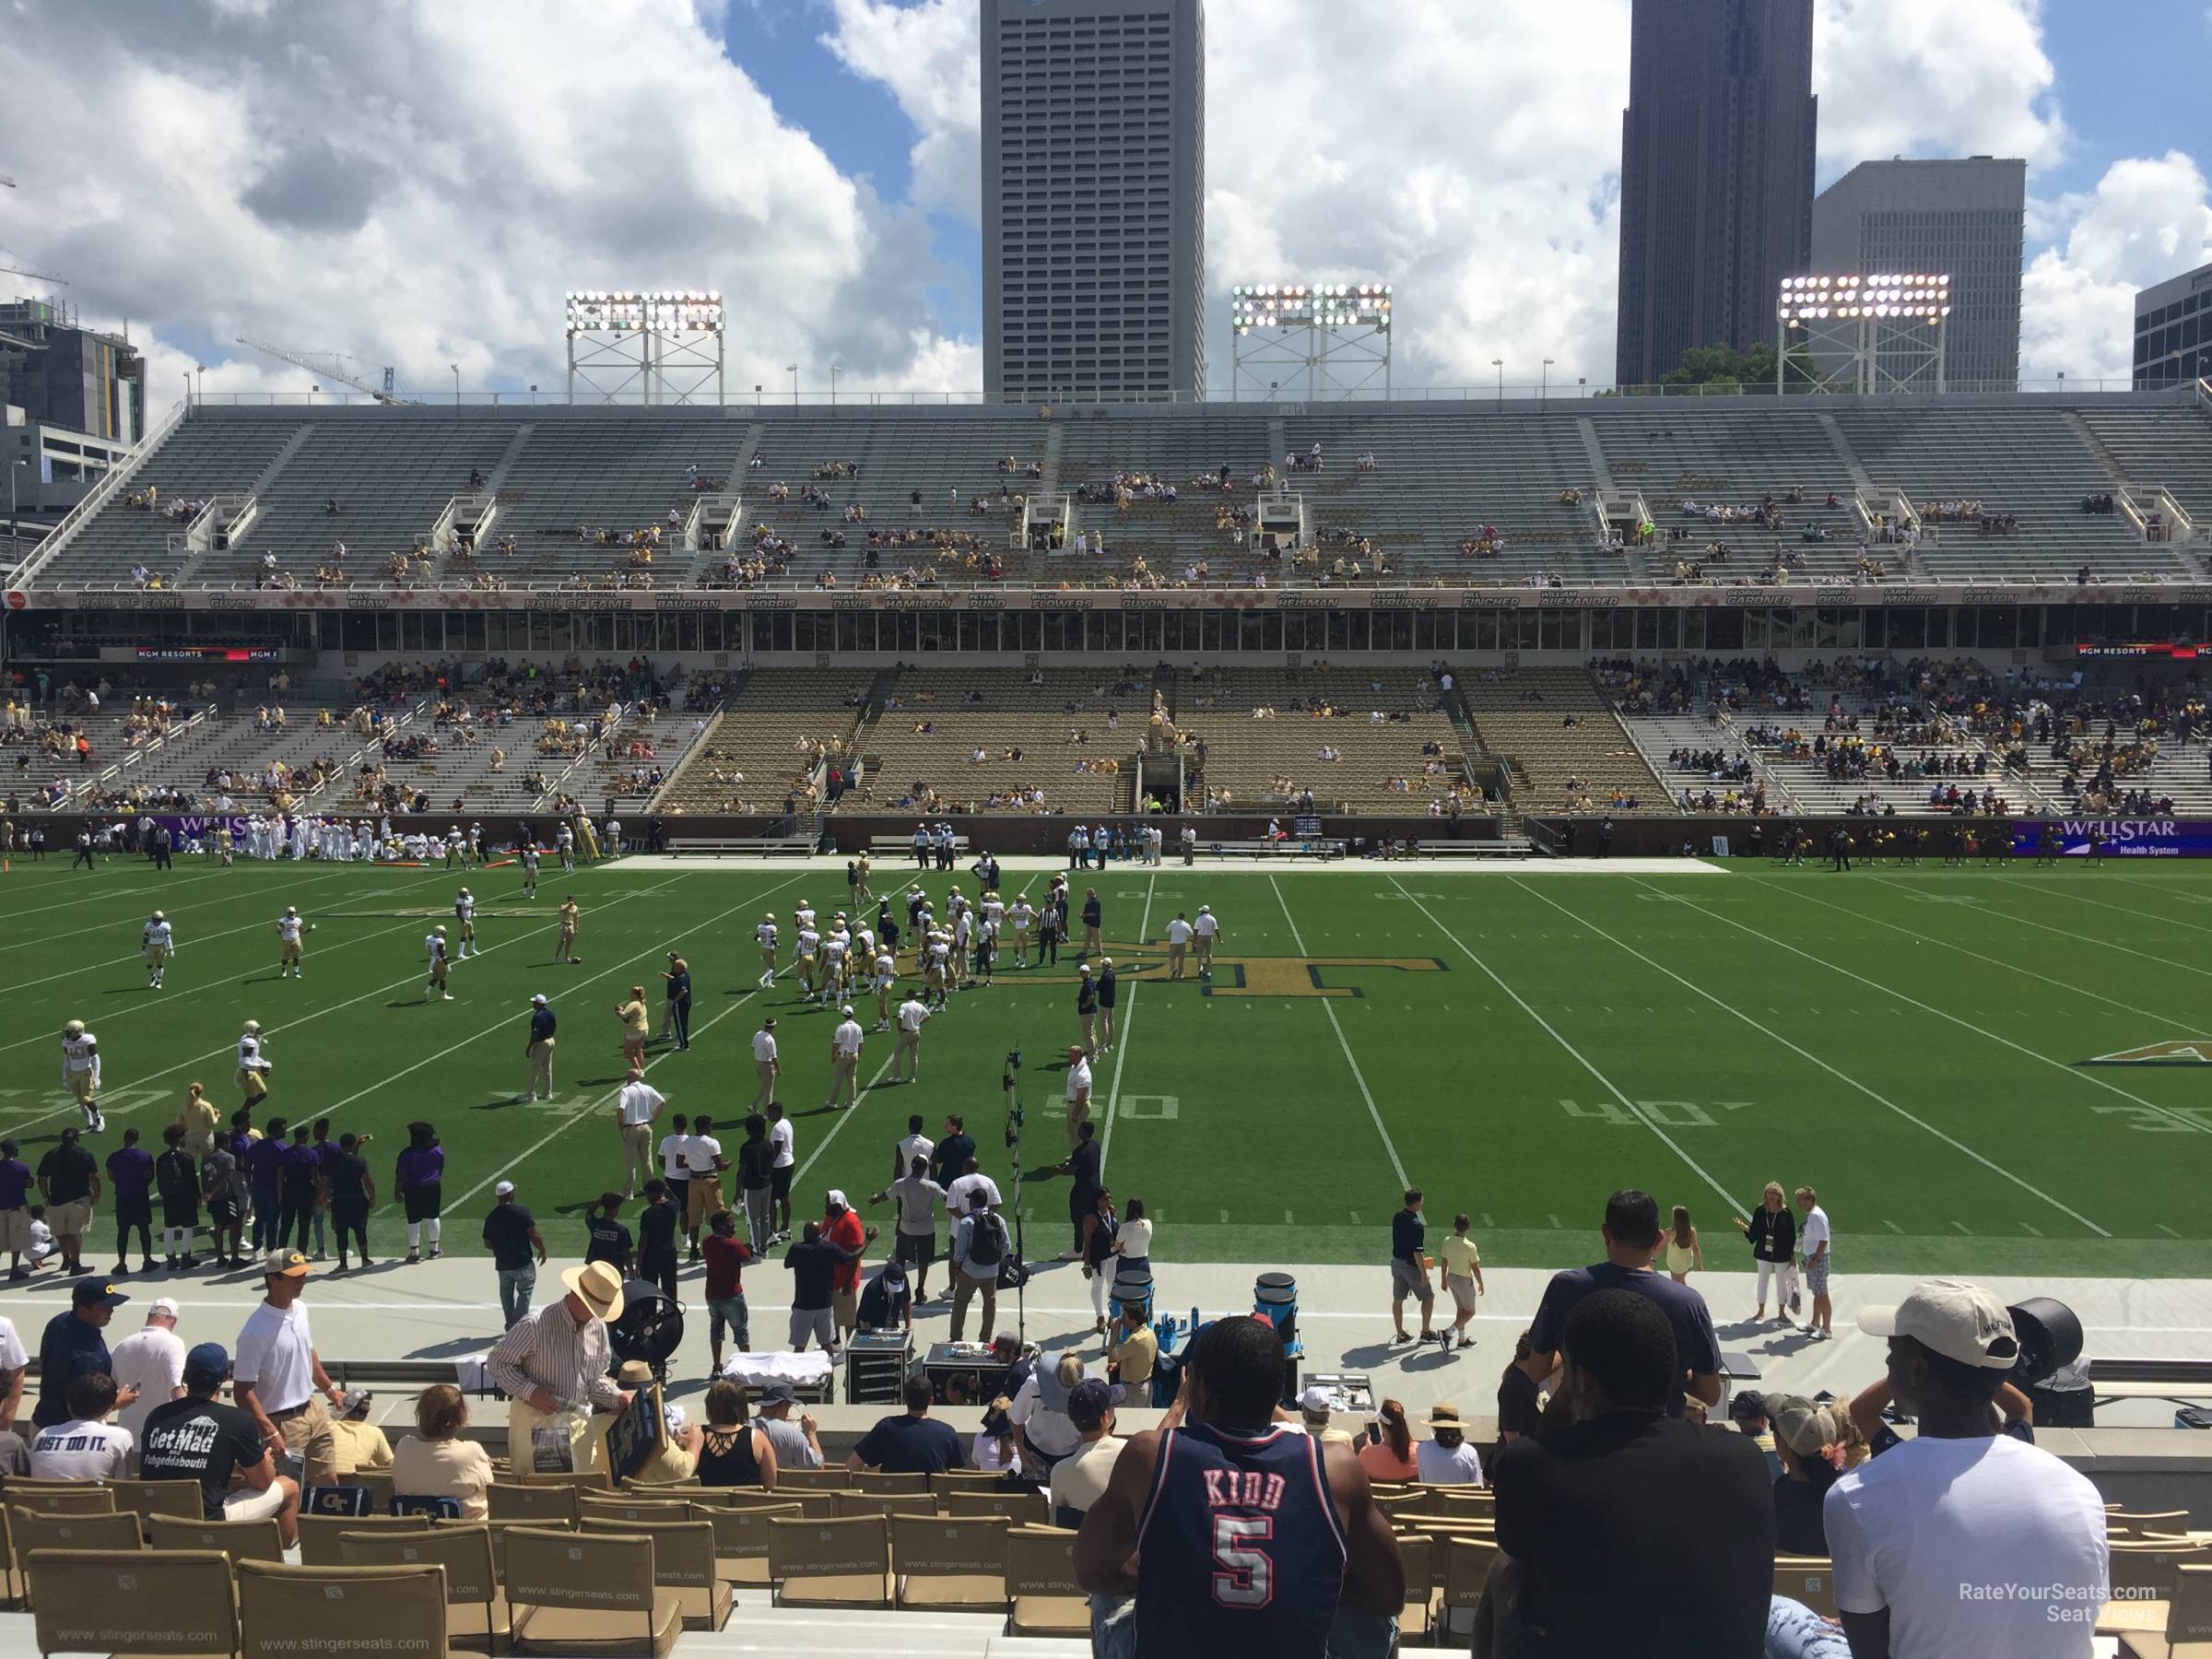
1666, 1115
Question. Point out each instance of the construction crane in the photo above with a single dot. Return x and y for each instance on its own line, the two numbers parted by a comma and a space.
335, 365
7, 264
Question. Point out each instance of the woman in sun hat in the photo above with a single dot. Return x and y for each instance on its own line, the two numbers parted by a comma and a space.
1447, 1458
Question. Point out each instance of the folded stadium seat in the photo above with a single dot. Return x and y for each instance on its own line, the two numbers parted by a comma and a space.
1418, 1553
290, 1610
176, 1604
321, 1536
2134, 1524
814, 1480
58, 1497
863, 1503
241, 1540
1022, 1508
587, 1594
178, 1499
841, 1563
1043, 1594
30, 1529
950, 1565
741, 1538
2188, 1631
475, 1607
875, 1483
533, 1501
601, 1507
2145, 1578
684, 1560
1807, 1579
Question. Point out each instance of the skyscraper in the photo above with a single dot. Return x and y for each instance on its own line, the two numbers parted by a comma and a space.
2173, 330
1094, 199
1963, 219
1716, 175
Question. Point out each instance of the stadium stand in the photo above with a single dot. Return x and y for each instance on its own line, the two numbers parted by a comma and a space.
1558, 735
771, 741
1004, 740
1314, 742
1462, 493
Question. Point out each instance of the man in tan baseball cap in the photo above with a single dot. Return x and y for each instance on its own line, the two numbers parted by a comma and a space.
1935, 1538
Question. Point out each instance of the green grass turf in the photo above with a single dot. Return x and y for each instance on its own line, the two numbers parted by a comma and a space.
1909, 1041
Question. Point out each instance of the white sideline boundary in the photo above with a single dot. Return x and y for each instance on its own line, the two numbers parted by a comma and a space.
885, 875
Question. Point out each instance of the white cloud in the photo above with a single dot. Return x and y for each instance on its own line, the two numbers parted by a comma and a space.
2148, 218
928, 58
1903, 78
419, 184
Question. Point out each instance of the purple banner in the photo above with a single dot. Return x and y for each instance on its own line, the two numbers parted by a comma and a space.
2123, 838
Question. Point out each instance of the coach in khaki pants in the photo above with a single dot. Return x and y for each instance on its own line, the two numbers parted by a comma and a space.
540, 1049
636, 1109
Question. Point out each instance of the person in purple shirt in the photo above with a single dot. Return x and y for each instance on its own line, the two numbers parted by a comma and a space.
131, 1174
264, 1161
420, 1175
303, 1168
16, 1185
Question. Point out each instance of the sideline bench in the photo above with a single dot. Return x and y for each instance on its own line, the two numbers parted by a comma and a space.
741, 846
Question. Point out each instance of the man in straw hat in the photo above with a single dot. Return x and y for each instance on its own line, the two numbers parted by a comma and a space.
552, 1367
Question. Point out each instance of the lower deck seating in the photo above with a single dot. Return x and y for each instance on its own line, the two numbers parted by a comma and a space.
1565, 746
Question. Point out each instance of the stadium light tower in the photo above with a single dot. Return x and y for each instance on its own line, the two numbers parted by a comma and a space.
1334, 335
1881, 331
657, 346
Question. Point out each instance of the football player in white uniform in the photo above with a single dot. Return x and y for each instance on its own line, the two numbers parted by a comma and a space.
887, 976
764, 936
288, 929
809, 945
253, 1066
529, 870
159, 940
835, 949
80, 1071
433, 944
465, 911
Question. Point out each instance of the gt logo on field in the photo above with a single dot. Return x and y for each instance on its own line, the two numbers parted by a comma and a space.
1156, 1109
2180, 1051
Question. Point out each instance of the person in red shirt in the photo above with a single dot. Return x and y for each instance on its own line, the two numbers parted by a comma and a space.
842, 1226
727, 1257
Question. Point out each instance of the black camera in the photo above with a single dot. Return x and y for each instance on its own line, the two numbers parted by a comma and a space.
1013, 1060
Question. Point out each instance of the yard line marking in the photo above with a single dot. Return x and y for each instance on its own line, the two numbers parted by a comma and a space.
159, 903
1574, 1053
1968, 1231
2069, 933
1328, 1007
2168, 1230
1486, 1219
2032, 1231
1121, 1044
1842, 1076
1225, 1218
102, 896
2124, 910
1289, 1220
576, 1115
1892, 1225
1555, 1222
2065, 985
155, 1003
2176, 1118
1355, 1214
414, 978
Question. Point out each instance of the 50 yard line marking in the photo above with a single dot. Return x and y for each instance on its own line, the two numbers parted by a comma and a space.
1121, 1048
1842, 1076
1576, 1055
1328, 1006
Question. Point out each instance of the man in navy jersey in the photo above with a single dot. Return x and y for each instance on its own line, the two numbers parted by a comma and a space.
1235, 1532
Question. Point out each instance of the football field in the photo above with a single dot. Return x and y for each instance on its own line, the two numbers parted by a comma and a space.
1986, 1070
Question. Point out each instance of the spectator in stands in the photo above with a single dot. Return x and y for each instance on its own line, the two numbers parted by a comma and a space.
357, 1442
84, 1445
1810, 1440
1447, 1458
1040, 1417
199, 1438
1964, 1506
150, 1363
1176, 1482
797, 1444
1576, 1566
1388, 1456
1631, 1236
73, 1347
911, 1443
1079, 1479
676, 1457
733, 1451
436, 1461
1748, 1411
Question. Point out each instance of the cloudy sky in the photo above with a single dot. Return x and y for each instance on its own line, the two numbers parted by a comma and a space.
415, 182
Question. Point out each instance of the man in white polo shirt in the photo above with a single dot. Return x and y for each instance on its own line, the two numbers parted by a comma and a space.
1204, 931
1936, 1539
844, 1061
1179, 943
637, 1109
1813, 1246
767, 1068
277, 1376
906, 1052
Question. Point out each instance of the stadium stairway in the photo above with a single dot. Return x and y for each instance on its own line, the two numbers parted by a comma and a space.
1554, 727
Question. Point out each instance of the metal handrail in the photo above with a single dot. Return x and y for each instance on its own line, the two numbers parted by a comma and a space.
95, 498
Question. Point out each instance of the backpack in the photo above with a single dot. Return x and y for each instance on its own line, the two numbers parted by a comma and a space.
987, 1241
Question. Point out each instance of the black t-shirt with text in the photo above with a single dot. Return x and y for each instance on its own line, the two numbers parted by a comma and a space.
68, 1173
609, 1241
199, 1439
